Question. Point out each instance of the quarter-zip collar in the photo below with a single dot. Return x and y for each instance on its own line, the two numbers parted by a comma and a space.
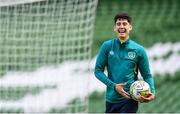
124, 43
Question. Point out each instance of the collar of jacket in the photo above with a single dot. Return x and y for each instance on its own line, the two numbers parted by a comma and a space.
124, 43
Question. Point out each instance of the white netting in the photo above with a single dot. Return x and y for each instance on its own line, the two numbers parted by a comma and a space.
37, 36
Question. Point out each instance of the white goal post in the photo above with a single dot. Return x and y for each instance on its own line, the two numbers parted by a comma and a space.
39, 41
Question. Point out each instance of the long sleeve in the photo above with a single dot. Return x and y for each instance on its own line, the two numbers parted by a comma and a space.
101, 63
145, 70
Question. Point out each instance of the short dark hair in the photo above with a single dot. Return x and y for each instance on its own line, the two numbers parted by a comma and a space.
122, 16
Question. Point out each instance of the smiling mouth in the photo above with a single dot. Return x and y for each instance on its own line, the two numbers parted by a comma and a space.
121, 30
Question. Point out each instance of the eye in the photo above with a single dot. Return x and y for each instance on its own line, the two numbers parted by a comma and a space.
118, 24
124, 23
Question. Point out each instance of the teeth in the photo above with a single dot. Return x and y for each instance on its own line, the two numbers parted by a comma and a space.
121, 30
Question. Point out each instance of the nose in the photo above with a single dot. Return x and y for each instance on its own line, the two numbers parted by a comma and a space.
121, 25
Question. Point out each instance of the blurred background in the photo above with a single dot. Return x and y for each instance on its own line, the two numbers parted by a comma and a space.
48, 50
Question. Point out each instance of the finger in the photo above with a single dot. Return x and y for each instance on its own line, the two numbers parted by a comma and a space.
125, 94
149, 94
143, 100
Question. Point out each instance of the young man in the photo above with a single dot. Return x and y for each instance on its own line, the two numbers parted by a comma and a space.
122, 57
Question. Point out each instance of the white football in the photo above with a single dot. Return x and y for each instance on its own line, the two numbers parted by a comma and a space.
139, 88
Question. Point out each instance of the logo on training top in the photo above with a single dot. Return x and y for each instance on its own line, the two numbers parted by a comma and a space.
131, 55
111, 52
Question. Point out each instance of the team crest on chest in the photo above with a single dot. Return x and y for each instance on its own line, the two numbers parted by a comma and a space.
131, 55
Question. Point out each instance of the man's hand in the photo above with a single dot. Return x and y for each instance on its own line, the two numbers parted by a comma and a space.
120, 90
145, 99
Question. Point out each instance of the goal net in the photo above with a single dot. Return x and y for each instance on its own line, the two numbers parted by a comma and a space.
39, 41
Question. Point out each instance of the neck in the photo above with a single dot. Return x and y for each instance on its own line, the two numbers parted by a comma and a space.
122, 40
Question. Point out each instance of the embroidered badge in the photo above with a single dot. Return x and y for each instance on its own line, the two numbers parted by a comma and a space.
131, 55
111, 52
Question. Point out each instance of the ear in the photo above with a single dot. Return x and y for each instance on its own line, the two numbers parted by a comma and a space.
114, 27
130, 28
